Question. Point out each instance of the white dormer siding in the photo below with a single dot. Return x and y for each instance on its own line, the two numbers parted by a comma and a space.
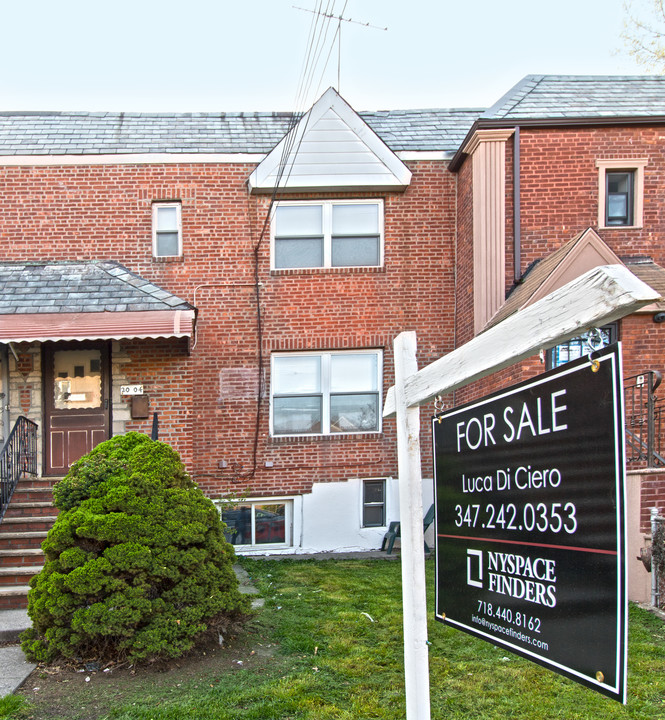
331, 148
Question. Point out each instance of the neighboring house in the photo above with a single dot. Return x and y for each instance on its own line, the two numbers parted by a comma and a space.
563, 174
144, 254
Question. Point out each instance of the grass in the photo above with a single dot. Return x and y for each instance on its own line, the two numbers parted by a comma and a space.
329, 645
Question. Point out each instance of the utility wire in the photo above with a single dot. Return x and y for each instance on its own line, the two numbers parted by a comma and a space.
318, 34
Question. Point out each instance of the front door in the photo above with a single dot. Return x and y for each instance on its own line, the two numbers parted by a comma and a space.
76, 402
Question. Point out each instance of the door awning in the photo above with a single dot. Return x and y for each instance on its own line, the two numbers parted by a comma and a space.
96, 326
86, 301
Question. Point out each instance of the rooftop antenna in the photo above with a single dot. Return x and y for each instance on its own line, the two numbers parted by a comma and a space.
340, 20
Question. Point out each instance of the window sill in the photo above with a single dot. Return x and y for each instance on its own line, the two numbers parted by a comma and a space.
621, 227
337, 437
329, 271
169, 259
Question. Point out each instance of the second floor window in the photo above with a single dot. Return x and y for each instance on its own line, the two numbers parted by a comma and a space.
327, 234
166, 230
619, 197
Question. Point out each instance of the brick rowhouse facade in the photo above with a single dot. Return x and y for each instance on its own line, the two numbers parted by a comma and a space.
207, 401
212, 390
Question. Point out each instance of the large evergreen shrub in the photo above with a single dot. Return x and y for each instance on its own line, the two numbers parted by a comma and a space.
136, 565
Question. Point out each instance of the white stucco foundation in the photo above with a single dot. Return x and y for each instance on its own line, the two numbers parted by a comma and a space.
329, 520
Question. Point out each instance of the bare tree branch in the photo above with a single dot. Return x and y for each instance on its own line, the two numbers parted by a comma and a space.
644, 36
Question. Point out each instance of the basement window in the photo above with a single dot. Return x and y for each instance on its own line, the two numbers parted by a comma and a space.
259, 523
374, 502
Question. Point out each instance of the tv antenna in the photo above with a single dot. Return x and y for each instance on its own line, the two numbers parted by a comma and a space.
340, 19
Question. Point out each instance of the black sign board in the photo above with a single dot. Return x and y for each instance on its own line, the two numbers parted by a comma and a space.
530, 521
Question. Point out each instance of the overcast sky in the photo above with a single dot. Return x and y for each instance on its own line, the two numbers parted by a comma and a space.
209, 55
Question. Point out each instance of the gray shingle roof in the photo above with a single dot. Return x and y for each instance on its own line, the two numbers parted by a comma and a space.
581, 96
69, 287
536, 97
76, 133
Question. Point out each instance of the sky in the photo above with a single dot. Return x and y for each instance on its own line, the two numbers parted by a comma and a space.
218, 55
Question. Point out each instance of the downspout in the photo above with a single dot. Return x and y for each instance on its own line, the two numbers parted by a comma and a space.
517, 219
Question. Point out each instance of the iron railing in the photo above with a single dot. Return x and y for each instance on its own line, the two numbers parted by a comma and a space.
643, 420
17, 457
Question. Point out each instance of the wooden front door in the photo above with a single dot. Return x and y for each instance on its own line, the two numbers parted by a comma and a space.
76, 402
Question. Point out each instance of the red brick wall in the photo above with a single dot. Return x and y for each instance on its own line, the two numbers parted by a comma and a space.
164, 369
653, 496
559, 188
208, 401
559, 198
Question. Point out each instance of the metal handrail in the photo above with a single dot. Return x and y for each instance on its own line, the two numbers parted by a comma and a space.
643, 416
17, 457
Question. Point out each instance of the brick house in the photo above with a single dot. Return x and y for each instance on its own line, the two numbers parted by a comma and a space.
153, 279
563, 174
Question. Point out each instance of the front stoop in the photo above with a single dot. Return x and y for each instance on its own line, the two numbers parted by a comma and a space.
29, 517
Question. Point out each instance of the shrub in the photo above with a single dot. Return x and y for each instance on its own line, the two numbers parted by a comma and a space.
136, 565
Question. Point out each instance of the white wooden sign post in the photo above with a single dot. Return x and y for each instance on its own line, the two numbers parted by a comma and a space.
596, 298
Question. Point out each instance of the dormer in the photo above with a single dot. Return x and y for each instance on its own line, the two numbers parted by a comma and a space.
331, 148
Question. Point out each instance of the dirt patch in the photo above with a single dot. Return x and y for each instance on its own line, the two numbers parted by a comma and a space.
89, 693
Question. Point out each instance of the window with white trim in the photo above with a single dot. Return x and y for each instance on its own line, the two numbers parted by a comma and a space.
374, 502
620, 193
578, 346
326, 393
258, 523
166, 229
334, 233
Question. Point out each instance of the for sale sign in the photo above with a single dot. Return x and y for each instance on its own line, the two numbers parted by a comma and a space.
530, 520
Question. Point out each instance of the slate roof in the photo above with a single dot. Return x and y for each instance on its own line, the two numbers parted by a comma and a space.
536, 97
651, 273
82, 133
71, 287
581, 96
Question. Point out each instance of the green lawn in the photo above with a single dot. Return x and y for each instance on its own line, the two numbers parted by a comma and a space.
329, 645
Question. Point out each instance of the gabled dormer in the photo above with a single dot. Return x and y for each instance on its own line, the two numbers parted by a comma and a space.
585, 251
331, 148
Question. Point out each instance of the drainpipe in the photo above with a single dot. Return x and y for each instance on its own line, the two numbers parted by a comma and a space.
655, 599
517, 220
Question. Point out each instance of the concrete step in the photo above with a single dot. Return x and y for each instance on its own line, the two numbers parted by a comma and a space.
25, 539
32, 508
16, 524
36, 482
32, 495
28, 557
14, 597
17, 575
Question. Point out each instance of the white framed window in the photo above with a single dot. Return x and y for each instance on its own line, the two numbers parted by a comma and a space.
578, 346
166, 229
258, 523
620, 193
374, 502
333, 233
326, 393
